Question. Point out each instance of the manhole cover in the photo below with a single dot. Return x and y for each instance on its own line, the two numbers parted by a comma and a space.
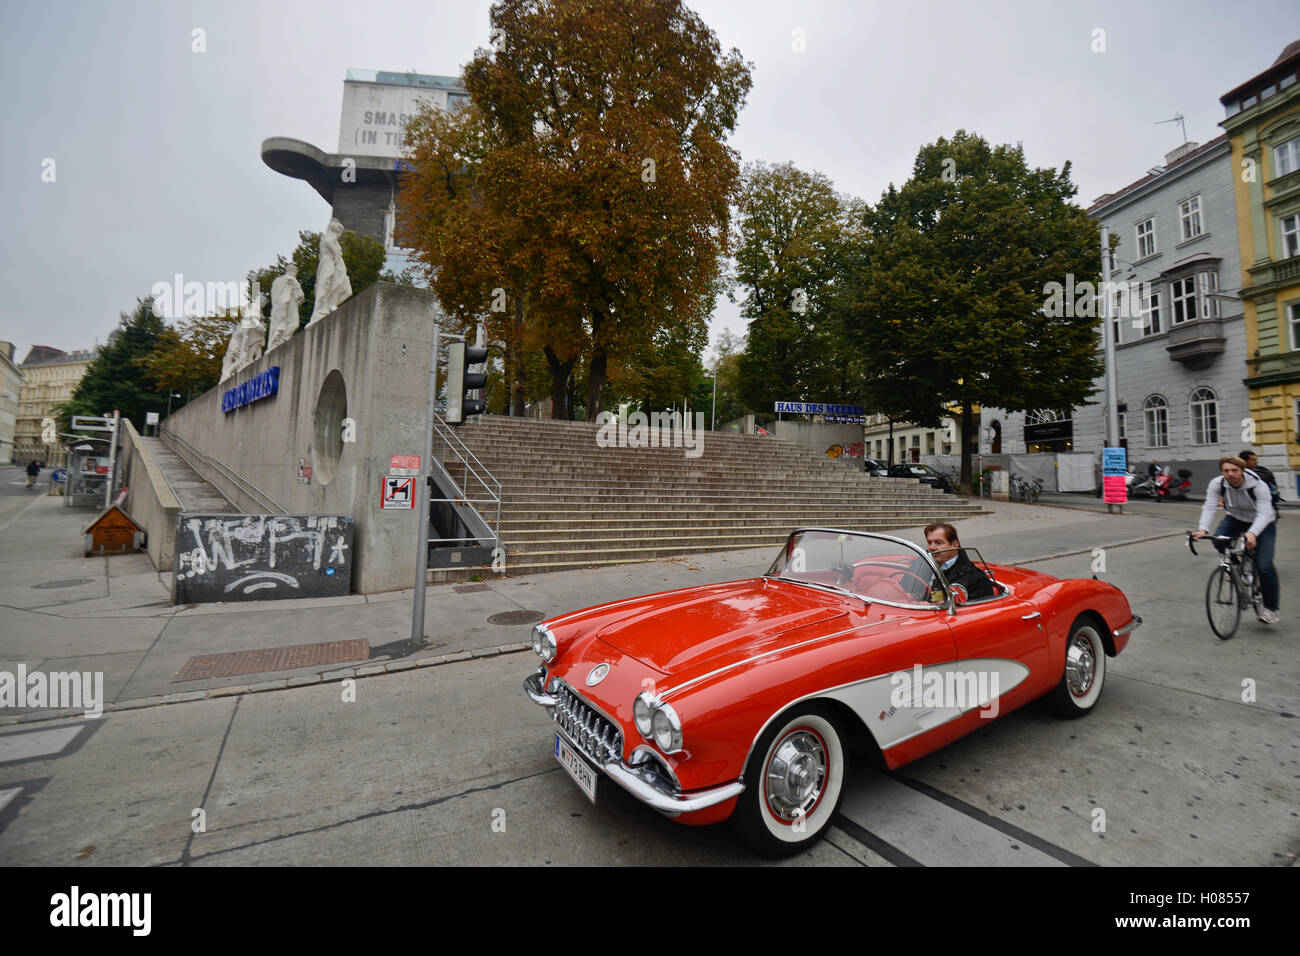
69, 583
470, 588
516, 617
207, 666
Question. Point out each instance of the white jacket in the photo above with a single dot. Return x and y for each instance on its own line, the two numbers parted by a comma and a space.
1239, 503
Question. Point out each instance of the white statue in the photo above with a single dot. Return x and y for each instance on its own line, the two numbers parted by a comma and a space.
286, 296
234, 353
254, 326
333, 287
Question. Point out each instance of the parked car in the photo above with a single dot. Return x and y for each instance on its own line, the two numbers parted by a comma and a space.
742, 701
922, 473
875, 469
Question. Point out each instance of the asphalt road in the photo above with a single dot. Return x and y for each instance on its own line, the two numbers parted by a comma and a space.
452, 765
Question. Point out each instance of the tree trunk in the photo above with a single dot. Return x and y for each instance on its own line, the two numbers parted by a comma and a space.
560, 372
596, 384
518, 388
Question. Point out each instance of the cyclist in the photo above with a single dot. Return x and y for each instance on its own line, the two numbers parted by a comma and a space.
1250, 509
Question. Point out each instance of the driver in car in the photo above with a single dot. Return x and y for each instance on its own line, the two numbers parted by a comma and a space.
941, 541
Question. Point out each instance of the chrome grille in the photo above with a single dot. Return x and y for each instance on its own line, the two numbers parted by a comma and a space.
594, 734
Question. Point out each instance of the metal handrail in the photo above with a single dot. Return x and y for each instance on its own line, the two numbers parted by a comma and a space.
471, 467
166, 435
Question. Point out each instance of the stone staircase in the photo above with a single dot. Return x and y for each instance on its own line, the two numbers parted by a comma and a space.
194, 493
569, 503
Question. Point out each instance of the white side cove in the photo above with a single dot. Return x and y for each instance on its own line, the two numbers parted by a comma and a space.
897, 706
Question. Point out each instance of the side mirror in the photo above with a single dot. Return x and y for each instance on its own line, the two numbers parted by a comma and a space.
959, 594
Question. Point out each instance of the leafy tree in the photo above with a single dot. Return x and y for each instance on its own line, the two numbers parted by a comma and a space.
603, 148
187, 359
946, 291
115, 379
791, 235
362, 255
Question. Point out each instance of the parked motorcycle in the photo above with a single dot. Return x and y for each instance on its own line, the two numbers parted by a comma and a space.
1143, 485
1169, 487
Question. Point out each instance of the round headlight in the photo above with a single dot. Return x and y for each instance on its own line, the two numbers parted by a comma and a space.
537, 641
548, 646
643, 712
667, 729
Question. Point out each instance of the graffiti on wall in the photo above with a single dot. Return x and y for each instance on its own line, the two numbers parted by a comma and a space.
855, 450
262, 557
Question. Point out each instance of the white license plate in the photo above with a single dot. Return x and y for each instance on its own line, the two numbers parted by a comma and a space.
581, 771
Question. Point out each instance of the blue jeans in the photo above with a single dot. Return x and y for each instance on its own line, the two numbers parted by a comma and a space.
1267, 540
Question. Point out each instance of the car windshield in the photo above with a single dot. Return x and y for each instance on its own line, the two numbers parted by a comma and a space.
870, 566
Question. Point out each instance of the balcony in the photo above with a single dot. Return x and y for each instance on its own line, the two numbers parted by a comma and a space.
1196, 344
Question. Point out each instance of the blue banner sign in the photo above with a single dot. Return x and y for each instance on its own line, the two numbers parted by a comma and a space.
817, 408
263, 385
1114, 461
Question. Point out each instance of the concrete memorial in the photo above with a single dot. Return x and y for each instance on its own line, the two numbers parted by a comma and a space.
254, 325
286, 297
262, 557
333, 287
234, 353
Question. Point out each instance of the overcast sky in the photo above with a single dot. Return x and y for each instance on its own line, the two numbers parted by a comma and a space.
156, 148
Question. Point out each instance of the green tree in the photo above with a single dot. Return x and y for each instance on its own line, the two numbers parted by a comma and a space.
790, 246
362, 255
115, 380
187, 358
946, 291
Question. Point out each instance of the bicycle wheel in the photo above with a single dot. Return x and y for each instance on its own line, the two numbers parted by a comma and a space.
1222, 606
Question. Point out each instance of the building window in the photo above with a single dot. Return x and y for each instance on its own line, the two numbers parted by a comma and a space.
1205, 417
1189, 218
1146, 238
1123, 426
1208, 283
1286, 158
1293, 322
1151, 313
1156, 412
1291, 236
1182, 293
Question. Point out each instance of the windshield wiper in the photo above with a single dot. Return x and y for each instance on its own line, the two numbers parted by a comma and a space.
826, 587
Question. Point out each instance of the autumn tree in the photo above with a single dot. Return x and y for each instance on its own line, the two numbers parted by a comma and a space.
601, 148
188, 355
947, 290
791, 230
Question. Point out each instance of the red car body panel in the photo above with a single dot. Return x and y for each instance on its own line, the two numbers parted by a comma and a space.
730, 658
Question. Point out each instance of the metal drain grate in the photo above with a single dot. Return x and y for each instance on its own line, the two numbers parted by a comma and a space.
67, 583
516, 617
208, 666
470, 588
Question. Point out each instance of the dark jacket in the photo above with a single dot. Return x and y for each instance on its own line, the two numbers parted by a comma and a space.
974, 580
33, 469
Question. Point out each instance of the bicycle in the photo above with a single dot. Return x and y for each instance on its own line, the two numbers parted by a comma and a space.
1233, 585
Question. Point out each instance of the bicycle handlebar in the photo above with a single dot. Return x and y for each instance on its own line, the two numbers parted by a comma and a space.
1191, 539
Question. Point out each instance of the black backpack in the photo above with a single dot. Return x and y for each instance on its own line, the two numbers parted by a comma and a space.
1274, 495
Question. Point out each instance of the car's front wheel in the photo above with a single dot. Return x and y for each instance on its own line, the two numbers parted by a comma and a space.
1085, 671
794, 782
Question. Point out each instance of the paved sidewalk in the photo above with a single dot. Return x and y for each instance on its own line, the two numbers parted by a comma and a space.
60, 611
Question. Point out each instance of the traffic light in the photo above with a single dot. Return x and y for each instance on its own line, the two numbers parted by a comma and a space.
459, 381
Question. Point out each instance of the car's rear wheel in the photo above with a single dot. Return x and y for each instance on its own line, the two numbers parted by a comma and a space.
794, 782
1085, 671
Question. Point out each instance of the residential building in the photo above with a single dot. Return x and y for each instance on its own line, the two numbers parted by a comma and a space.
51, 376
11, 383
1181, 343
911, 441
1263, 128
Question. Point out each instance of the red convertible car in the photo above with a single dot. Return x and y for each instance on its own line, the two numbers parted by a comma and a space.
742, 700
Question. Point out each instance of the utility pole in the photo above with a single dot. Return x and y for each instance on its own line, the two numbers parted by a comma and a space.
1108, 344
425, 493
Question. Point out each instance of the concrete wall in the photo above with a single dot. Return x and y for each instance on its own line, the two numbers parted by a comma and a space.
150, 502
378, 343
821, 437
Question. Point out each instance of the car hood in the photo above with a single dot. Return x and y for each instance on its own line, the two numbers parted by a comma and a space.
676, 632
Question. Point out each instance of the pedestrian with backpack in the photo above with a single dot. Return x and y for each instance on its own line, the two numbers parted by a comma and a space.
1264, 474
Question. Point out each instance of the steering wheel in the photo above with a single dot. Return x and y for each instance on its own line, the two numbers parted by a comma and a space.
897, 577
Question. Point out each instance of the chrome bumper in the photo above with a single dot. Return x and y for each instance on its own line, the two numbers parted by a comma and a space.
1128, 628
636, 782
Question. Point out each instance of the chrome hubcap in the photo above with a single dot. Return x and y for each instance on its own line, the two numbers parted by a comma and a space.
796, 775
1079, 665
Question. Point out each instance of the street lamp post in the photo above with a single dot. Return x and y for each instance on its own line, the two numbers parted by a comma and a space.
713, 416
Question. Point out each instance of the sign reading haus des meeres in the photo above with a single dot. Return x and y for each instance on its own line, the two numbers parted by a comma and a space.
260, 386
374, 112
820, 408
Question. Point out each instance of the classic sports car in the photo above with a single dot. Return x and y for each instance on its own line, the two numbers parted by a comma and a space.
742, 700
